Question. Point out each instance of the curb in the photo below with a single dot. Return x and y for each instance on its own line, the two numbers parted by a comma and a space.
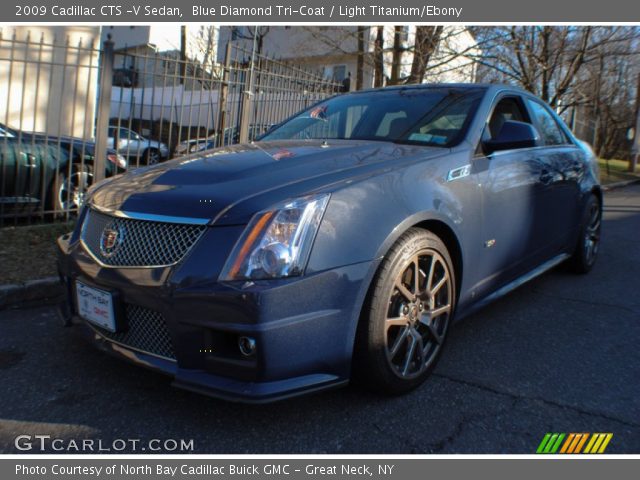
49, 290
623, 183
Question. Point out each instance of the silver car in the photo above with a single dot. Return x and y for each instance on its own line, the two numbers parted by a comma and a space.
132, 145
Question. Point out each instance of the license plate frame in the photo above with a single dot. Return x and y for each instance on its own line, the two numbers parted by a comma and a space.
97, 306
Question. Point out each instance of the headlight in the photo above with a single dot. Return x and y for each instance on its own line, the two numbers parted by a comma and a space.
182, 147
117, 160
197, 147
278, 241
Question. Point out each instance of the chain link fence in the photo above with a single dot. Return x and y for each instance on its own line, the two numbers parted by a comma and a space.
77, 113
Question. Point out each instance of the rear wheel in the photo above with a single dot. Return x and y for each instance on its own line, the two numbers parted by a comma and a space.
586, 251
410, 307
152, 156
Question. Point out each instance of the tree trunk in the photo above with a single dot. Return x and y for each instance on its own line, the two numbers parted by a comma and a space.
183, 53
378, 58
426, 42
397, 55
545, 60
360, 63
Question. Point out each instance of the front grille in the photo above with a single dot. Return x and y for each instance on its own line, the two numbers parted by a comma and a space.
137, 243
147, 331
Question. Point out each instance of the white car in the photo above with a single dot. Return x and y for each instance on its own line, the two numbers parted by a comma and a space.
132, 145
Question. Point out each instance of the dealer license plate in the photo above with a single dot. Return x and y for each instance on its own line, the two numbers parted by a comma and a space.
96, 306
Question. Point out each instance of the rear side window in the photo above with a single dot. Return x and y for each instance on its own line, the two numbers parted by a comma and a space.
550, 131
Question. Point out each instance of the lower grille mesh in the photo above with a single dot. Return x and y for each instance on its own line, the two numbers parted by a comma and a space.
147, 332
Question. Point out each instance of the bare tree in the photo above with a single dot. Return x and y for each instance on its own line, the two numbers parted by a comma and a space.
427, 39
546, 60
378, 58
360, 60
256, 32
396, 57
585, 71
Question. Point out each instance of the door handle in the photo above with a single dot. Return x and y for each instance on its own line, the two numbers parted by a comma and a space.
30, 160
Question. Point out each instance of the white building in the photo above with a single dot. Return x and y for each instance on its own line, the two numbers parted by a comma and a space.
49, 78
140, 50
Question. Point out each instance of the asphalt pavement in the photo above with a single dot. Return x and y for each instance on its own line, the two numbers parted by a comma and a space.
560, 354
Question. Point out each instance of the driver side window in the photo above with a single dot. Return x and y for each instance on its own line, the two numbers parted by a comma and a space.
509, 108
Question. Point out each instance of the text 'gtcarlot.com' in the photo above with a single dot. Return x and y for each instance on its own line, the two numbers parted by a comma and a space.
45, 443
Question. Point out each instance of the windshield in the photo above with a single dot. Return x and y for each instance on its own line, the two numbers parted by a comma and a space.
431, 116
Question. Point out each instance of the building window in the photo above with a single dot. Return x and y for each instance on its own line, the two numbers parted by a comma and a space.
339, 72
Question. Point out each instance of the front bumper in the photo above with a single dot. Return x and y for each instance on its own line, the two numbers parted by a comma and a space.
304, 328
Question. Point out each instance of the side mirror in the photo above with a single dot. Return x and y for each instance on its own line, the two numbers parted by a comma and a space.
513, 135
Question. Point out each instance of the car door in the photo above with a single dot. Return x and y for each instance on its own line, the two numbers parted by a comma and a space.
512, 219
30, 156
122, 138
135, 143
559, 186
9, 172
125, 144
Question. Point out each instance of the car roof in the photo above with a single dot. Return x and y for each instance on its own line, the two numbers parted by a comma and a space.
488, 87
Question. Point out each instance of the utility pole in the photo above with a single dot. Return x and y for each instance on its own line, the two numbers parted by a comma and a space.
635, 149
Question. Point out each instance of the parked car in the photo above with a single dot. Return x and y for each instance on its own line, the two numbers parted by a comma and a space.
341, 246
134, 146
46, 171
231, 137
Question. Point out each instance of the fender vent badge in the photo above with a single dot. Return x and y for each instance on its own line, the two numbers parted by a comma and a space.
458, 173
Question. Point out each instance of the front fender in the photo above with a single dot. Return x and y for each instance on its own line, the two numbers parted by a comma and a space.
365, 219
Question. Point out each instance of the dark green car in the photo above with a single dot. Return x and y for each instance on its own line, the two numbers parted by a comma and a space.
39, 172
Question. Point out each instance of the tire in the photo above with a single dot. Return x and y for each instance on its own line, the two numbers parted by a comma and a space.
399, 339
152, 156
67, 192
586, 251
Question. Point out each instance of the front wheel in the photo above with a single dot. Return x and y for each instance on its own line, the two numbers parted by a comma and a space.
586, 250
406, 319
68, 190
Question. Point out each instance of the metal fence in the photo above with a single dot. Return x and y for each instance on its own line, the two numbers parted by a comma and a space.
76, 113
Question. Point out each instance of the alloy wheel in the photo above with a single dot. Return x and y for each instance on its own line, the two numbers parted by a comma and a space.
72, 190
592, 233
153, 157
420, 306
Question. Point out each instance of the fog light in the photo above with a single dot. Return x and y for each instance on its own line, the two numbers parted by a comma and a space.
247, 346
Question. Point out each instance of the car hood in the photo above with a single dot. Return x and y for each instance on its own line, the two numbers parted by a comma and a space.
228, 185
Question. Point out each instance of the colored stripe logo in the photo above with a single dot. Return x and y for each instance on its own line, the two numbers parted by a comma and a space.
574, 443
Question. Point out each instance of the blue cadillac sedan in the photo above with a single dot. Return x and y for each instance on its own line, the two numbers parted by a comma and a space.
338, 247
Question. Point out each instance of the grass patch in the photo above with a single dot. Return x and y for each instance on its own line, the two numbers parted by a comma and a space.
617, 171
29, 252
